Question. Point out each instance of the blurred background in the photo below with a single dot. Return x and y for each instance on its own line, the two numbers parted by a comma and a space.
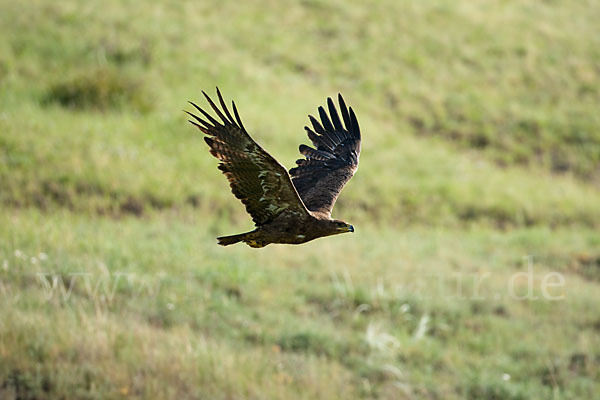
474, 270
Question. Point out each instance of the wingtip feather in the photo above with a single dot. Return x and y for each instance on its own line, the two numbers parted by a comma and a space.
335, 118
355, 126
237, 116
224, 107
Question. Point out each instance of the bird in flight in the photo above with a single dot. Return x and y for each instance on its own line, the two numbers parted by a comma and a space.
287, 207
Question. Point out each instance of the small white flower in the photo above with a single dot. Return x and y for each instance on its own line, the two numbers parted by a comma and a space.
43, 256
33, 260
18, 253
505, 377
170, 306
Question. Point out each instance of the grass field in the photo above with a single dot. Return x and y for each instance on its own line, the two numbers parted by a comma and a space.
474, 271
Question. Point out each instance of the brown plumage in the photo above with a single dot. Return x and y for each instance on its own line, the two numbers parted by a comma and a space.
289, 208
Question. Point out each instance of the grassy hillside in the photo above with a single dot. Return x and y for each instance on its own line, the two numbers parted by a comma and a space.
481, 149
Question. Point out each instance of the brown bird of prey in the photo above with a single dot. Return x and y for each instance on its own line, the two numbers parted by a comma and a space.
292, 207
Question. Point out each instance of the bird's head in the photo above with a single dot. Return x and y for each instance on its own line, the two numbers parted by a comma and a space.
338, 226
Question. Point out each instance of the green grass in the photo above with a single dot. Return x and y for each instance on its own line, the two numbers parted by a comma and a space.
481, 147
375, 323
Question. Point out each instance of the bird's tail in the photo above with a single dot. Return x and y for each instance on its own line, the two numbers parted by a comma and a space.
227, 240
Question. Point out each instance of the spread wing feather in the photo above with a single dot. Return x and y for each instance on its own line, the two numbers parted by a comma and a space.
255, 177
320, 177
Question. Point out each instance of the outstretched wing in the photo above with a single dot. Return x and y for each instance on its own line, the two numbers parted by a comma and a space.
320, 177
255, 177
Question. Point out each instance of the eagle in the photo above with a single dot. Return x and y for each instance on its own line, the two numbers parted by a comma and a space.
287, 207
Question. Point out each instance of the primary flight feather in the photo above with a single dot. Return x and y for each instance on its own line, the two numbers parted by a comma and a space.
292, 207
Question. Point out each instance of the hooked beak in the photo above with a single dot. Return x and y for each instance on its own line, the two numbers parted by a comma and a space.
347, 228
